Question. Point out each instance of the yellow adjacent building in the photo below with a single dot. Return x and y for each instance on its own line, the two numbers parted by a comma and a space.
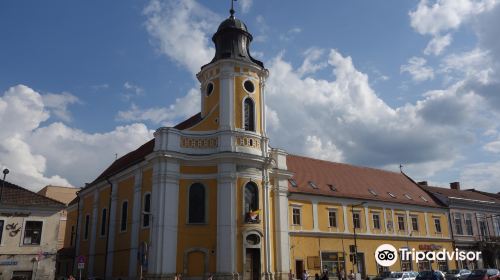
211, 197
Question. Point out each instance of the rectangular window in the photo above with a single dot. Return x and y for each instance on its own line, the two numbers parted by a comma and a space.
72, 237
458, 224
104, 216
146, 210
401, 223
496, 222
296, 216
32, 233
86, 228
376, 221
468, 224
1, 230
483, 228
437, 225
356, 220
332, 218
414, 223
123, 220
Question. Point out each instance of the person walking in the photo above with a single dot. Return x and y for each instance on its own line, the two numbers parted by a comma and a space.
305, 275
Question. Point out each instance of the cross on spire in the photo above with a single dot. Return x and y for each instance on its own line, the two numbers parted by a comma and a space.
232, 8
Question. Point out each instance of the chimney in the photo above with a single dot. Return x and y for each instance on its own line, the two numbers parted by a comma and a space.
455, 185
422, 183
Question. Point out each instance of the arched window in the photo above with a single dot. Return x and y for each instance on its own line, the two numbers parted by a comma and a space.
251, 197
196, 203
249, 115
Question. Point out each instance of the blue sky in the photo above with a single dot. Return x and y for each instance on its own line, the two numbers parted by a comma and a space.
374, 83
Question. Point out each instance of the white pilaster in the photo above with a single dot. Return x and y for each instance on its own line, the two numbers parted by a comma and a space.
226, 97
408, 222
315, 215
393, 222
346, 223
165, 194
93, 232
267, 229
79, 229
385, 221
426, 224
282, 235
136, 221
111, 230
226, 220
367, 220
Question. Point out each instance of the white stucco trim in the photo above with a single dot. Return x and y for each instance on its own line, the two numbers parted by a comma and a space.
136, 221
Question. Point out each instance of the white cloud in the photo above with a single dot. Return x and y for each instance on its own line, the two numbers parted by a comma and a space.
245, 5
437, 45
55, 154
417, 69
180, 30
482, 176
493, 146
441, 16
167, 116
346, 117
290, 34
58, 104
132, 89
311, 63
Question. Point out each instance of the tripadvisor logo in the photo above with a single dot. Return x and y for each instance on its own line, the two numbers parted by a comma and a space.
387, 255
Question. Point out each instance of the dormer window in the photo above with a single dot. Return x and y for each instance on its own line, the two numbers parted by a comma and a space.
249, 114
372, 192
408, 196
313, 185
424, 199
293, 183
391, 194
332, 187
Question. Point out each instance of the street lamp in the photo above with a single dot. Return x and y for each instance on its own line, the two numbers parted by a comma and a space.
356, 268
5, 172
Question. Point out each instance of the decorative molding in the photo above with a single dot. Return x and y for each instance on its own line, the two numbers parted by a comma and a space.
248, 141
199, 143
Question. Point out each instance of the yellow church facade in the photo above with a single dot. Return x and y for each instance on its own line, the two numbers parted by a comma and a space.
211, 197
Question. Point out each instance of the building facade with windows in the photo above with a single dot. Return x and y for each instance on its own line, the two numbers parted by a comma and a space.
29, 226
329, 202
475, 220
210, 196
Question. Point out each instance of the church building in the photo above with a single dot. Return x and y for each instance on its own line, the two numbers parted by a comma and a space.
209, 196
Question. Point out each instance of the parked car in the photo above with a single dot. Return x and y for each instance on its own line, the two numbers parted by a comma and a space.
428, 275
484, 274
457, 274
382, 275
406, 275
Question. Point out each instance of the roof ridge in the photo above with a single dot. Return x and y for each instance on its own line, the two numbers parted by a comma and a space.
346, 164
9, 184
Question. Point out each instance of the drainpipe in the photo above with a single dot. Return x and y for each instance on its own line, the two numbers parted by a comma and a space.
452, 235
77, 229
107, 227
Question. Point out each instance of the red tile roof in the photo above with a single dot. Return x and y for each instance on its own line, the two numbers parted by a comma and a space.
461, 194
18, 196
140, 153
354, 182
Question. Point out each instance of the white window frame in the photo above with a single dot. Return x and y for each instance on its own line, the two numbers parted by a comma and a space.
379, 221
413, 229
404, 222
24, 228
358, 212
300, 215
440, 225
334, 211
121, 216
205, 219
143, 211
105, 224
85, 229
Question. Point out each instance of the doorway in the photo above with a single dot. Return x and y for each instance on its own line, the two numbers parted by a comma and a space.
361, 265
252, 264
299, 269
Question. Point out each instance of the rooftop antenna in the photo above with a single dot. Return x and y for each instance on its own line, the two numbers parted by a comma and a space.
401, 168
116, 156
232, 9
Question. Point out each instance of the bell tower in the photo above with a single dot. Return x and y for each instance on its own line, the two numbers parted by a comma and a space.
232, 84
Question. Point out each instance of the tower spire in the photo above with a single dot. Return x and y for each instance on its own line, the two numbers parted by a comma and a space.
232, 9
